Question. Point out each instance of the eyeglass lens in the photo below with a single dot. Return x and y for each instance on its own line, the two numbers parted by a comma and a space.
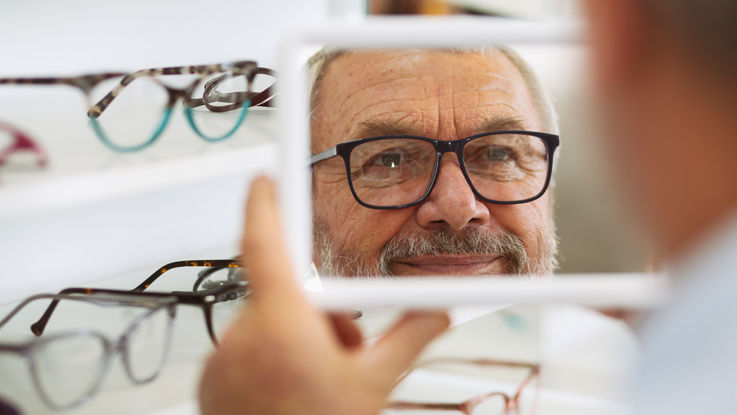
397, 171
225, 98
69, 368
141, 110
492, 405
226, 305
136, 114
225, 309
146, 345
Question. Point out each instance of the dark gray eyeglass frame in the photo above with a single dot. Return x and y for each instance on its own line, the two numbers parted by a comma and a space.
204, 299
111, 347
344, 150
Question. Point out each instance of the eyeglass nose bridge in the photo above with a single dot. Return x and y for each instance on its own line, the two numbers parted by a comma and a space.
442, 147
448, 146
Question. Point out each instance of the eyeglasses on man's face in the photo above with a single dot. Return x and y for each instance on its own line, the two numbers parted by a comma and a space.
67, 367
521, 401
218, 291
128, 112
398, 171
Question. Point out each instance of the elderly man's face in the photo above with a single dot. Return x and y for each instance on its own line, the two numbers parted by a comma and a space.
444, 95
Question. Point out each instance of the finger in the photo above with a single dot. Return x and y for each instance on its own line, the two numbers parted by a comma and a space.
347, 331
263, 247
398, 348
630, 317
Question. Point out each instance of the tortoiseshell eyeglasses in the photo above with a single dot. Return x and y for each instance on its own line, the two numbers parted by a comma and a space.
128, 112
217, 290
522, 401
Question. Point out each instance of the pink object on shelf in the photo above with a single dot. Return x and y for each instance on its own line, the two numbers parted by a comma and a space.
21, 142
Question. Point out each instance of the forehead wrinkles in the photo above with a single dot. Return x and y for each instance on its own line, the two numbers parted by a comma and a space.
436, 90
367, 100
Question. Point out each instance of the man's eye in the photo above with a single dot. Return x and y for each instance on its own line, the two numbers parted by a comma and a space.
497, 154
391, 160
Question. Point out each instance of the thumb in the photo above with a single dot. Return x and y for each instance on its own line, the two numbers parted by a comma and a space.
398, 348
263, 248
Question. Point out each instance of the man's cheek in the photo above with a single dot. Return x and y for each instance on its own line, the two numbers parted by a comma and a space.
373, 230
525, 221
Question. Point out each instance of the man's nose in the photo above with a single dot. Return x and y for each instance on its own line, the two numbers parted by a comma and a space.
451, 202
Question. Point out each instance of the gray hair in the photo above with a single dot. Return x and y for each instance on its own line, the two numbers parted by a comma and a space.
318, 63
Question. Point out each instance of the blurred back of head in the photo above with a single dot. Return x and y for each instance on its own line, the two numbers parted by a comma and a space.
705, 30
666, 72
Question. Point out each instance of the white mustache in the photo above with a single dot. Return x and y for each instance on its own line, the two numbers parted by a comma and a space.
476, 241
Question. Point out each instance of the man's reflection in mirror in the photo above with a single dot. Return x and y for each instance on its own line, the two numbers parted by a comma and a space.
431, 162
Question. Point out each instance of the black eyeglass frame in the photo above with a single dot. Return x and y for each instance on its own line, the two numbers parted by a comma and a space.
344, 150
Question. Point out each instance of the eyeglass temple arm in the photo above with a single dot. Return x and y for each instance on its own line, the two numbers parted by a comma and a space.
15, 310
262, 98
84, 82
97, 109
222, 263
256, 98
39, 326
49, 310
332, 152
202, 275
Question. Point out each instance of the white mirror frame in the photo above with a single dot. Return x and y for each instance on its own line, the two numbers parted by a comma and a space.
627, 290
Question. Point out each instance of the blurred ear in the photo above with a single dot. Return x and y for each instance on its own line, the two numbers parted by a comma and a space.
618, 38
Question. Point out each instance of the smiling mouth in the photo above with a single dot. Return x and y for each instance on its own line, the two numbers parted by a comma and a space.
449, 265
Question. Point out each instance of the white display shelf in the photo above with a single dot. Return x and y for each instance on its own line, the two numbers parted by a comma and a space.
93, 213
85, 173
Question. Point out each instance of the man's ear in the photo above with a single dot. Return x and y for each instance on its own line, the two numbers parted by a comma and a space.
618, 37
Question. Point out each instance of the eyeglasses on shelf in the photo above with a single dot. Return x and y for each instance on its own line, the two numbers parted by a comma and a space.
523, 401
218, 294
67, 367
398, 171
129, 111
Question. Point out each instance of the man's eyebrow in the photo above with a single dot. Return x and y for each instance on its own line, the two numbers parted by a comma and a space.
503, 123
375, 128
